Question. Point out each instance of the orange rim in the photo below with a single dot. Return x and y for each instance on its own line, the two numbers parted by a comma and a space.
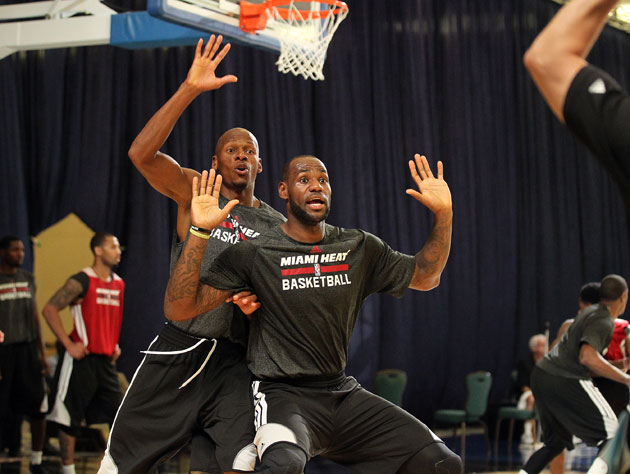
253, 15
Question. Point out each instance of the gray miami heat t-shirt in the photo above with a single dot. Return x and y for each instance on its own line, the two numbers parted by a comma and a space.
244, 223
310, 294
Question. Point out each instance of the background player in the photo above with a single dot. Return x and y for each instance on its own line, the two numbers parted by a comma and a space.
22, 356
86, 380
567, 401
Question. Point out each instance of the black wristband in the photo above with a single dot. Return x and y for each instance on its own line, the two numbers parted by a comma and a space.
199, 229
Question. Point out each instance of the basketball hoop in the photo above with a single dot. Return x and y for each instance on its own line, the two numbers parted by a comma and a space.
304, 34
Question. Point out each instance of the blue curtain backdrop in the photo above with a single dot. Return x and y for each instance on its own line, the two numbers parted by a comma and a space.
535, 216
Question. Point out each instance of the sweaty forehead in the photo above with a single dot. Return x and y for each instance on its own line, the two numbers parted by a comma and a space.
308, 164
236, 135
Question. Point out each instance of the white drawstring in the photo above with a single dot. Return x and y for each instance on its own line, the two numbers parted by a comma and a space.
177, 352
214, 346
202, 365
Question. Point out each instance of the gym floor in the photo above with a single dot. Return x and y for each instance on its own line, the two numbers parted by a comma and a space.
87, 462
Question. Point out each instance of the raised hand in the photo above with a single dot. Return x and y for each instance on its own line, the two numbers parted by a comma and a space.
201, 74
432, 192
204, 208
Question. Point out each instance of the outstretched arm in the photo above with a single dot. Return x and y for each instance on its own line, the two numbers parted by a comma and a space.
559, 51
186, 297
159, 169
434, 194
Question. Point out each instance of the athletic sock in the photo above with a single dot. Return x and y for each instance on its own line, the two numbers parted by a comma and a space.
69, 469
36, 457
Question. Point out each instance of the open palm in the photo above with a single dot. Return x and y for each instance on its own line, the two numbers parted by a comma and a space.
433, 192
202, 72
204, 208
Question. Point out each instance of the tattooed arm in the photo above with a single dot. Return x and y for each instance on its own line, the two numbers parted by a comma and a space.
186, 297
66, 295
434, 194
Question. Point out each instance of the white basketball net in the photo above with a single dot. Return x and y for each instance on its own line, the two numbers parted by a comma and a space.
304, 39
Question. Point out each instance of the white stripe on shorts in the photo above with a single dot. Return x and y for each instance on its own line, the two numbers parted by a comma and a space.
260, 406
608, 415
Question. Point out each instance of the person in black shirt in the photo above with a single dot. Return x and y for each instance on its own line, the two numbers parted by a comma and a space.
22, 357
588, 100
311, 279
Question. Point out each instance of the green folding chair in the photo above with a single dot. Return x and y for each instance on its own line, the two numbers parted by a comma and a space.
513, 414
477, 390
390, 384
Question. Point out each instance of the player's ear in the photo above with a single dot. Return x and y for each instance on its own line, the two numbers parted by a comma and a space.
259, 165
215, 162
282, 190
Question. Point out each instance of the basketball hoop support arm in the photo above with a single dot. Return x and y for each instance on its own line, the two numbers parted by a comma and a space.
51, 24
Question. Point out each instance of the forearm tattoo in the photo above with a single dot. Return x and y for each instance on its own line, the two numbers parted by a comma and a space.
431, 260
67, 294
184, 284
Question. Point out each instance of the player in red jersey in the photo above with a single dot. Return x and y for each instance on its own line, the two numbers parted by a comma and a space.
86, 379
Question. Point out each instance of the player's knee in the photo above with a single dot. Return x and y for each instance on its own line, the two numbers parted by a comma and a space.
283, 458
435, 459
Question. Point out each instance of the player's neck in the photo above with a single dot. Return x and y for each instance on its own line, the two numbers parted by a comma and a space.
104, 272
304, 233
613, 308
245, 196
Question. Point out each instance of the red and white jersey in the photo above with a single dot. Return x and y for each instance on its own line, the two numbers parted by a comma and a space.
97, 319
619, 335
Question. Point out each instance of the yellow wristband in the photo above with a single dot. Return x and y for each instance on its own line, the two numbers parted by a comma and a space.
201, 235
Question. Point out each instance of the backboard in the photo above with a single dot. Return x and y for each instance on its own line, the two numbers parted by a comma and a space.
218, 17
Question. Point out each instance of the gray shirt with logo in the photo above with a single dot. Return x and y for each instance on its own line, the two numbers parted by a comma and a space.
244, 223
310, 294
17, 307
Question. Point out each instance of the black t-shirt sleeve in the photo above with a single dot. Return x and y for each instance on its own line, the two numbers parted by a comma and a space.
597, 334
231, 269
84, 280
597, 111
391, 271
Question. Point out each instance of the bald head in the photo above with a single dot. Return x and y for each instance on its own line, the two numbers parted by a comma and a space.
235, 134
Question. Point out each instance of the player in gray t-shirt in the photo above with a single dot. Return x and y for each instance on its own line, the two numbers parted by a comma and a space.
311, 279
194, 380
567, 401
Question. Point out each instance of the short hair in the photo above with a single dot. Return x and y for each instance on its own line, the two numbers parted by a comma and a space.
534, 339
287, 164
5, 242
590, 292
98, 239
613, 286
